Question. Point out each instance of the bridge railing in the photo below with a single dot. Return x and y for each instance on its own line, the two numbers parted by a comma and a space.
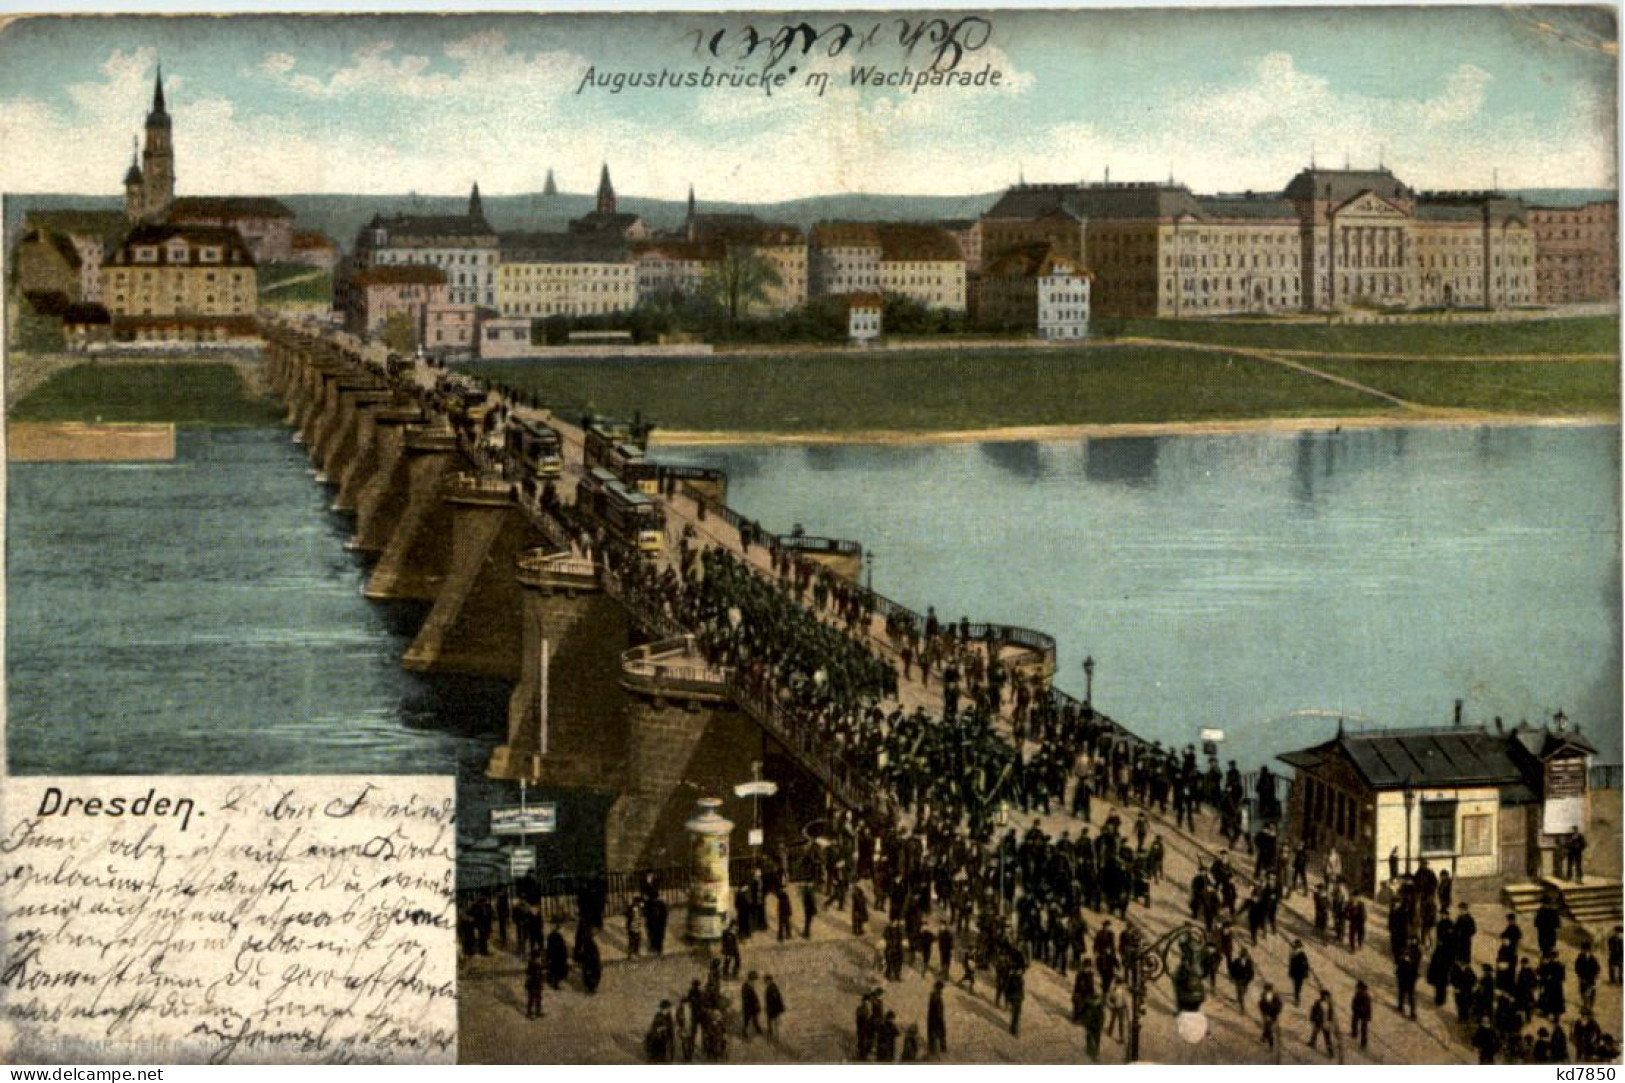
806, 543
675, 665
809, 742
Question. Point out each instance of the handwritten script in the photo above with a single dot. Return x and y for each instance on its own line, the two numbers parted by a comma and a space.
939, 43
227, 920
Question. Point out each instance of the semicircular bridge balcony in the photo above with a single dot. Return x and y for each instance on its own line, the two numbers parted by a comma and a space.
557, 570
674, 669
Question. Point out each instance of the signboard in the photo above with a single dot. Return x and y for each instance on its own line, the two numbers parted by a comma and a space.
540, 819
759, 788
521, 861
755, 836
1211, 734
1562, 814
1566, 777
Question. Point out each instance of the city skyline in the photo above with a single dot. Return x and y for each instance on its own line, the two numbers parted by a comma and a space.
1219, 100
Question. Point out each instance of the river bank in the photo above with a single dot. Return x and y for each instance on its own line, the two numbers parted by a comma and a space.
76, 442
1014, 433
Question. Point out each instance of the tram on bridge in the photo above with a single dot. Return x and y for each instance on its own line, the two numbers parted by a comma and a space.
533, 447
627, 515
611, 445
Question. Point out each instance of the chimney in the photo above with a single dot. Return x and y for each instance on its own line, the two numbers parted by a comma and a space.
1498, 726
1458, 712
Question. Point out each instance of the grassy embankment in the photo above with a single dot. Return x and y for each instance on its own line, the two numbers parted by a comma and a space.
283, 284
191, 395
1575, 335
920, 391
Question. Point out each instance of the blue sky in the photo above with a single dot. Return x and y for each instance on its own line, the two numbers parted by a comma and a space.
1222, 99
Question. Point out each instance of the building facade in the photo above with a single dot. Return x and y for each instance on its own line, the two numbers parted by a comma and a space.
779, 246
408, 289
565, 274
920, 262
1576, 253
1034, 289
463, 247
173, 276
1330, 240
266, 225
669, 271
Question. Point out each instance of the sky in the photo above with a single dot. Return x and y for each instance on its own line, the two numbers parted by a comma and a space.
1222, 100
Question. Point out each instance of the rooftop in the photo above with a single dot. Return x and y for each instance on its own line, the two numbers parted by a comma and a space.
228, 207
1393, 759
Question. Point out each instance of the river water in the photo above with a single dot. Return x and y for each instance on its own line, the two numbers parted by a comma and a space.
203, 616
1264, 584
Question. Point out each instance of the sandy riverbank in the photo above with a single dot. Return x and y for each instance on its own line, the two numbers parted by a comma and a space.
72, 441
682, 438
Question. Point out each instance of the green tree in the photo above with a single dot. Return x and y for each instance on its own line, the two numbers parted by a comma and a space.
400, 333
742, 278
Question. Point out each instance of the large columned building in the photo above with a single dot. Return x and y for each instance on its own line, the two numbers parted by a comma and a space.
1330, 240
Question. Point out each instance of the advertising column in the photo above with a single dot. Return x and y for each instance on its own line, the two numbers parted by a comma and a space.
709, 898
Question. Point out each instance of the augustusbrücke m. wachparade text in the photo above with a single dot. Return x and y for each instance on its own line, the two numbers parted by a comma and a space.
709, 78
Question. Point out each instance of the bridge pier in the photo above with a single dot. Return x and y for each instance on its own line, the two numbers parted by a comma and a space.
586, 633
476, 625
355, 448
381, 485
678, 750
419, 548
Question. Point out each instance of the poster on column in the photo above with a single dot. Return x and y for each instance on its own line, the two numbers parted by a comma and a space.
571, 537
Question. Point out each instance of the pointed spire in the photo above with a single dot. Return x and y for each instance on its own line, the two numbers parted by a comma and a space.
158, 92
133, 174
475, 208
606, 191
551, 188
691, 203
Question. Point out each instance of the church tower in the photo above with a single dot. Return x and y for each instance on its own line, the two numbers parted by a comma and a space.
606, 192
158, 158
551, 188
135, 189
476, 209
691, 203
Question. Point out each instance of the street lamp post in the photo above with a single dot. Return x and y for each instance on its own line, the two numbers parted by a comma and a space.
1089, 681
869, 570
1410, 803
1004, 818
1144, 963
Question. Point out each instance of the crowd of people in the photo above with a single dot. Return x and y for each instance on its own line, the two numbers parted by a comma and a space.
935, 856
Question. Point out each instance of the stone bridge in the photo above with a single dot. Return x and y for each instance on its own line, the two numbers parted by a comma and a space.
609, 694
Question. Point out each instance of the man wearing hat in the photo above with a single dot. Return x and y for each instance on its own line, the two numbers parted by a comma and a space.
1297, 969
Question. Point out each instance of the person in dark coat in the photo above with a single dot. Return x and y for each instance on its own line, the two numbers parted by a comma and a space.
860, 910
1442, 961
558, 957
1269, 1010
1297, 970
731, 960
786, 918
659, 1043
1552, 974
945, 947
1466, 929
1407, 969
1548, 922
936, 1023
535, 976
1360, 1012
750, 1007
886, 1039
656, 915
775, 1005
1241, 973
592, 964
1015, 992
809, 909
